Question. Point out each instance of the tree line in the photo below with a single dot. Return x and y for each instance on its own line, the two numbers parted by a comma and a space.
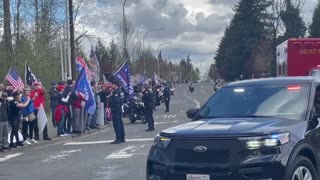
248, 46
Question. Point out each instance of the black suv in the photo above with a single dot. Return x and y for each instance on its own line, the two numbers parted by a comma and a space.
264, 129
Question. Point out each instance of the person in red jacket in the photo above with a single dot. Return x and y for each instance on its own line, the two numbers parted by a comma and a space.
38, 94
78, 122
62, 111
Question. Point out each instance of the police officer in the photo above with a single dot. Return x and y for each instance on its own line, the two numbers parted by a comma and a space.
116, 102
166, 95
147, 99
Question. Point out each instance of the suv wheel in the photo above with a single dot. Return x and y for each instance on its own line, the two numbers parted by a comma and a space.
301, 169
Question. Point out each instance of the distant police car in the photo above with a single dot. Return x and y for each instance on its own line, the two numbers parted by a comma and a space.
265, 129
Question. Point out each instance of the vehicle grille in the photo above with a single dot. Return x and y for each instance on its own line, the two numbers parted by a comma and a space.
219, 151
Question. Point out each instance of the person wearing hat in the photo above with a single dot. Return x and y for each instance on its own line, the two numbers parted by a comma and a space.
4, 125
38, 94
116, 102
62, 111
53, 101
14, 117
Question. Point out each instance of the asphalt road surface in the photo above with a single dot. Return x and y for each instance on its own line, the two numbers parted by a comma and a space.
90, 156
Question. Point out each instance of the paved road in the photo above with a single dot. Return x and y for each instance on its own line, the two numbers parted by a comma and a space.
91, 157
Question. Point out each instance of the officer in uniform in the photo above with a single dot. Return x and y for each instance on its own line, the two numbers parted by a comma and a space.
116, 102
166, 95
147, 99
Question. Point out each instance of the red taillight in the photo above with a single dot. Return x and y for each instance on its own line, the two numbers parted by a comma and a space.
294, 88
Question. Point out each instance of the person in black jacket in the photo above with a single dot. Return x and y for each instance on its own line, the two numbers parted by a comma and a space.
54, 101
70, 90
148, 100
166, 95
116, 102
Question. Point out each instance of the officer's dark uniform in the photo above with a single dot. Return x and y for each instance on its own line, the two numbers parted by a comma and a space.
166, 95
147, 99
116, 102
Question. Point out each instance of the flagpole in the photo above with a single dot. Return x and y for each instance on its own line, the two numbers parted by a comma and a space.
7, 75
25, 72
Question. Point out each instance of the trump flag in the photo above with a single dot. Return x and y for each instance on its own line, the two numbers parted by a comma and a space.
122, 75
83, 86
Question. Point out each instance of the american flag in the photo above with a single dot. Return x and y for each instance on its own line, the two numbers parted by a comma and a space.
15, 80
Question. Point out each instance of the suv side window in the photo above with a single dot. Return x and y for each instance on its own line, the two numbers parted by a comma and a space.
316, 107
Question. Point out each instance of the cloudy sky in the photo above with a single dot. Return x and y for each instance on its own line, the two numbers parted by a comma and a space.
194, 26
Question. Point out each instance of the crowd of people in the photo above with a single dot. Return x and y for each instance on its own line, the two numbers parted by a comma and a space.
19, 109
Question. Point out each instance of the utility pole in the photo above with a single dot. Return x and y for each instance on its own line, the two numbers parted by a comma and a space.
125, 33
73, 54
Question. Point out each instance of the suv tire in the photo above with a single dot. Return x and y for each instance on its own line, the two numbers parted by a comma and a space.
301, 165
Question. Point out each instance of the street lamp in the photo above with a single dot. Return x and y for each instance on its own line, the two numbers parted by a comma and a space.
165, 43
144, 59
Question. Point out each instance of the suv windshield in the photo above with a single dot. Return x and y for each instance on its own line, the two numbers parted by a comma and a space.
258, 101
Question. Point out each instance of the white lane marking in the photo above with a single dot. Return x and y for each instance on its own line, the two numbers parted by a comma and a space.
10, 156
165, 122
60, 155
169, 116
104, 142
123, 153
197, 102
85, 143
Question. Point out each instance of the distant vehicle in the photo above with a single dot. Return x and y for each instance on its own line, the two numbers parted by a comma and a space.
263, 129
299, 57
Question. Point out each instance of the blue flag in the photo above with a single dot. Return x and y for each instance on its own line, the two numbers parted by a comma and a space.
123, 76
83, 86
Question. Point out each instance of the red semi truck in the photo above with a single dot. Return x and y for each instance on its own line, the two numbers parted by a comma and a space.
299, 57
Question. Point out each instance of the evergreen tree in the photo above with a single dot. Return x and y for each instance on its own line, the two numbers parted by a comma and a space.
293, 22
315, 26
248, 26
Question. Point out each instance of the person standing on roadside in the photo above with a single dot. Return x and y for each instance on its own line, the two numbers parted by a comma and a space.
4, 125
62, 111
69, 89
28, 116
166, 95
14, 118
38, 94
147, 99
116, 102
53, 101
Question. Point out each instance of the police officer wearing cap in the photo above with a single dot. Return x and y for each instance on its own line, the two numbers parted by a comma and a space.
116, 102
147, 99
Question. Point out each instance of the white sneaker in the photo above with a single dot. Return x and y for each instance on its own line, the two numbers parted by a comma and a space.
62, 135
27, 142
34, 141
66, 134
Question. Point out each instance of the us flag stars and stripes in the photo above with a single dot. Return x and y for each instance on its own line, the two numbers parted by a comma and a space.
14, 78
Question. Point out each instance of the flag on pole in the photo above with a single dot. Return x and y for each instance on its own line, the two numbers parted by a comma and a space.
14, 78
83, 86
156, 78
42, 118
94, 66
123, 76
81, 64
30, 77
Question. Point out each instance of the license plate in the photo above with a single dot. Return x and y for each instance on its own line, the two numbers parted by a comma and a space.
197, 177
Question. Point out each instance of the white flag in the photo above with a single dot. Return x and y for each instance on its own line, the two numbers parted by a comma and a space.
42, 118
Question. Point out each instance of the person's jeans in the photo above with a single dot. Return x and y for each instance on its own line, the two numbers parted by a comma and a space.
4, 134
53, 111
14, 131
25, 126
92, 119
149, 118
61, 125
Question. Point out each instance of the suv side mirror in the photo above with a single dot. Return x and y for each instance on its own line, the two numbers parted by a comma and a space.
192, 112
